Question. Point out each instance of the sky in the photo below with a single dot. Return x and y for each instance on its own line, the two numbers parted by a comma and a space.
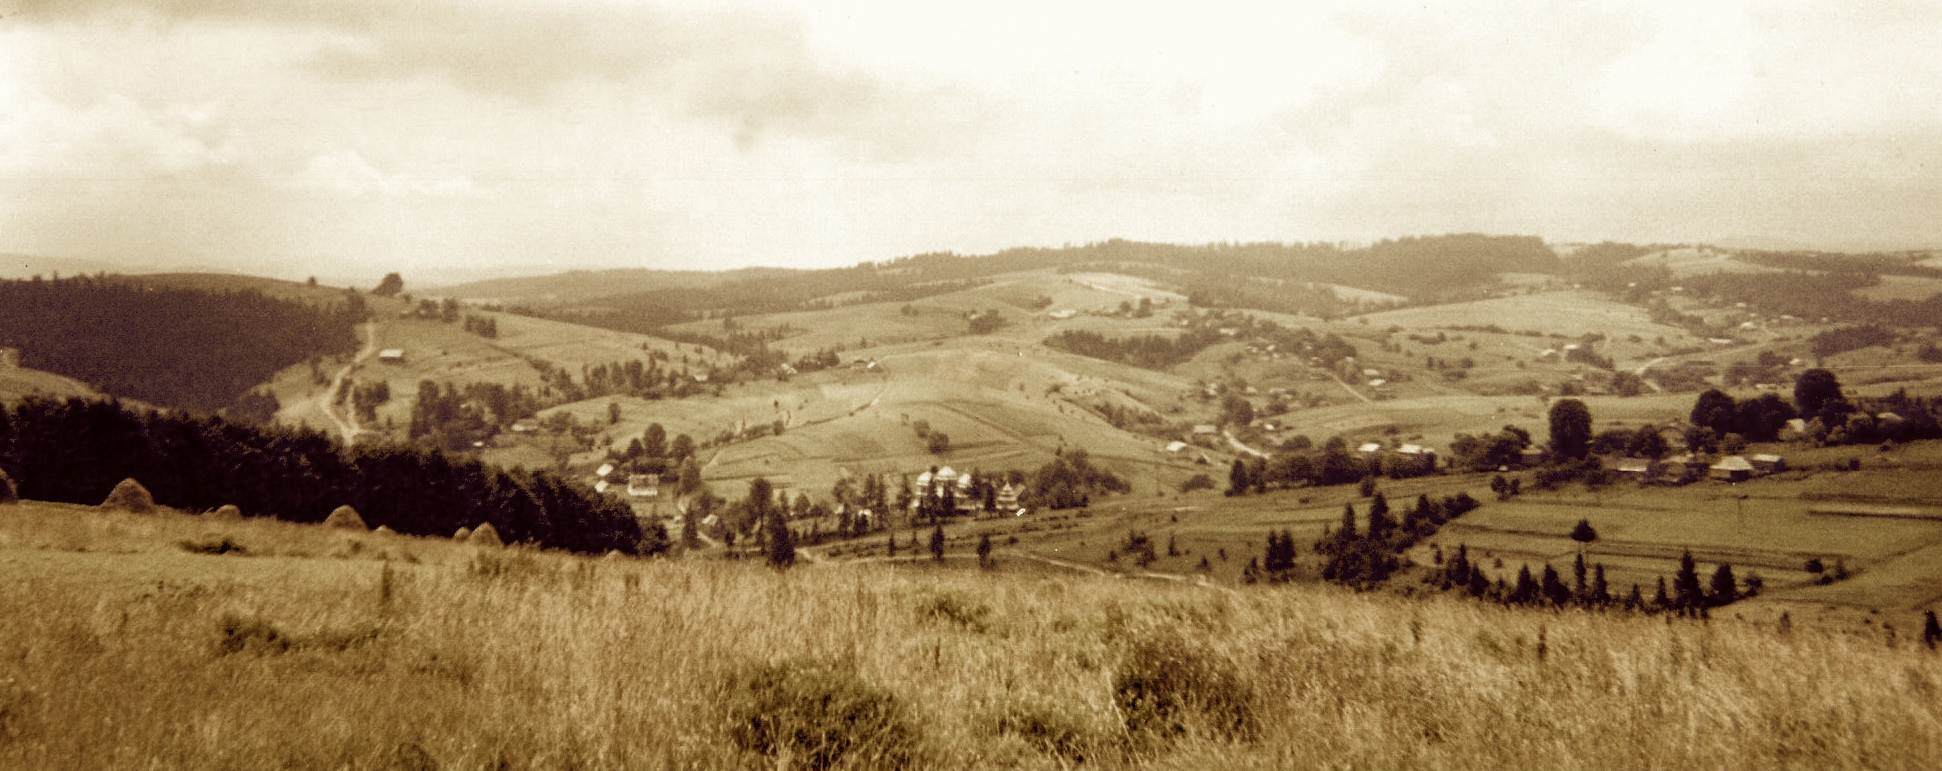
444, 137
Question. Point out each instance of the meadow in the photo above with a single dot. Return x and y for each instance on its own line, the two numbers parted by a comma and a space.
130, 645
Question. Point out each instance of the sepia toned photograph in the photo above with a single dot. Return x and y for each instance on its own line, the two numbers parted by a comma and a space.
492, 385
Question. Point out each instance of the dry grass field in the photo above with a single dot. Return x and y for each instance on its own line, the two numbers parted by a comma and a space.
312, 648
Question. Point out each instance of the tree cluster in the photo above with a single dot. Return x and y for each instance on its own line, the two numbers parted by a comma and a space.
75, 451
1070, 480
1368, 556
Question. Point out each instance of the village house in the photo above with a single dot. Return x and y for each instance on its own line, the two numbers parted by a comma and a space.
1635, 469
1767, 463
1733, 468
643, 486
1008, 497
391, 356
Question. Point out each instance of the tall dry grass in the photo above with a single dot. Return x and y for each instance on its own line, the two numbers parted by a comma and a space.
304, 653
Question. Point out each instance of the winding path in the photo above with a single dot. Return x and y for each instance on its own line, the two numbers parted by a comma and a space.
347, 424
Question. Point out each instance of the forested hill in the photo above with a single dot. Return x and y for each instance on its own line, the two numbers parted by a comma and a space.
1260, 275
176, 347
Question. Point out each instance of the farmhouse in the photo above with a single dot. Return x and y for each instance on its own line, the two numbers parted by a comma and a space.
392, 356
1733, 468
604, 470
1206, 429
1176, 446
1530, 456
1636, 469
1767, 463
1681, 469
643, 486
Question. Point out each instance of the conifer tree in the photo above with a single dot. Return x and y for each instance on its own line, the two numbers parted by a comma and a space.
1601, 594
1931, 630
1347, 533
780, 539
1659, 599
984, 550
1527, 588
1553, 587
1478, 583
1685, 585
1725, 589
937, 543
890, 549
1634, 601
1380, 525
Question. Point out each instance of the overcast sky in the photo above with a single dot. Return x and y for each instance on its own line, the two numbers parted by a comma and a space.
292, 137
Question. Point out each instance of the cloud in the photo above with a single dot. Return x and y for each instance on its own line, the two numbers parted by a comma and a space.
345, 172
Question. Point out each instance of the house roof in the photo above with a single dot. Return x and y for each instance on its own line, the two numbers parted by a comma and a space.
1733, 463
1369, 447
1634, 465
392, 353
1766, 458
1206, 428
1176, 446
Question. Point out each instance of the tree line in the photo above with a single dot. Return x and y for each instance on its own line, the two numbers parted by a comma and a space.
75, 451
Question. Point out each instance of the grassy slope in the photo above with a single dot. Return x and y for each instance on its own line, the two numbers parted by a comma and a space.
16, 382
534, 660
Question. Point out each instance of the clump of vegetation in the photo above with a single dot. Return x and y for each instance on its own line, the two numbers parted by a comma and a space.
8, 493
223, 545
1048, 728
817, 715
1167, 688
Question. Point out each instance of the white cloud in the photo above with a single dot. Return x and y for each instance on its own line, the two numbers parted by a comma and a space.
345, 172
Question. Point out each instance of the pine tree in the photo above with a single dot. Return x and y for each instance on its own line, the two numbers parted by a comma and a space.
781, 540
1380, 525
1347, 533
1685, 585
1725, 589
984, 549
890, 549
1659, 599
1237, 479
1931, 630
1478, 583
1601, 594
937, 543
1634, 601
1553, 587
1527, 588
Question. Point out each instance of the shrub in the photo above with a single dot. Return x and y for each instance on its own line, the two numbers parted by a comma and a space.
816, 715
1197, 482
1166, 687
221, 545
1047, 728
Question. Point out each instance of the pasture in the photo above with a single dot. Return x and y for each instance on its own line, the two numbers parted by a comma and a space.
317, 648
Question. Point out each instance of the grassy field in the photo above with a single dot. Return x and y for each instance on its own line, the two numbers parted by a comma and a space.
318, 648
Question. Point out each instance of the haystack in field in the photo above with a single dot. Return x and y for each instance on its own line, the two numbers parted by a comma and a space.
384, 530
346, 518
129, 496
486, 535
8, 493
462, 535
226, 511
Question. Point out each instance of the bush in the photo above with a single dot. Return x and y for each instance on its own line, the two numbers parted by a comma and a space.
221, 545
818, 715
1046, 727
1197, 482
1166, 687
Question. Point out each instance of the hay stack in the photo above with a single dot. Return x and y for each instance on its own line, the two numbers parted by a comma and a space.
486, 535
346, 518
226, 511
8, 493
129, 496
462, 535
384, 530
